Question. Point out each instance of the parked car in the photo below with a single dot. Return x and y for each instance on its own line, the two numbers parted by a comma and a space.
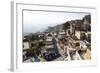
37, 60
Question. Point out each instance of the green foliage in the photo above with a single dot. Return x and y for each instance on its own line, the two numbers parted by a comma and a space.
89, 37
41, 44
82, 36
34, 37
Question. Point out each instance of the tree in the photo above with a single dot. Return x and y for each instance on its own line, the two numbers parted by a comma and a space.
65, 27
41, 44
82, 36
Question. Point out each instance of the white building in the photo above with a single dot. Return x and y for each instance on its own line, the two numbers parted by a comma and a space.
49, 43
25, 44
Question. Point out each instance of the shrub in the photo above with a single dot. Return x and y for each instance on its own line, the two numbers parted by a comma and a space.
83, 36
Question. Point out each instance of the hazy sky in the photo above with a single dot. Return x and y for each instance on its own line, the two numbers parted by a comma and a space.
34, 21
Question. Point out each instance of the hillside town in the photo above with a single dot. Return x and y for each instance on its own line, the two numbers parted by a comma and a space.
63, 42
